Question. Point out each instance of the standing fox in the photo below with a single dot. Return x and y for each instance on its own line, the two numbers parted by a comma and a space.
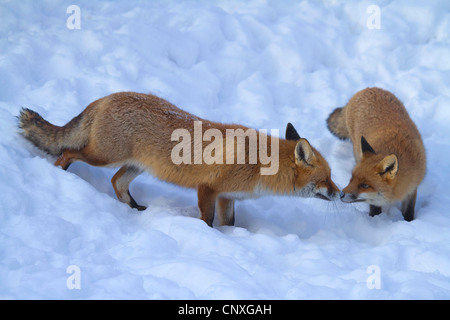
391, 167
134, 131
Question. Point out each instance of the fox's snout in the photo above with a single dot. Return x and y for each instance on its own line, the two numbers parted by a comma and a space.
350, 197
329, 192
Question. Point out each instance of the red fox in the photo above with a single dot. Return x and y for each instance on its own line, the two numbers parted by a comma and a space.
135, 132
389, 152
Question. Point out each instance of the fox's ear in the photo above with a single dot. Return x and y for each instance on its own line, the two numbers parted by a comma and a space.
365, 146
388, 167
291, 133
303, 152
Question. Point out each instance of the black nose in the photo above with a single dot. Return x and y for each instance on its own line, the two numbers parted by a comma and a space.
342, 194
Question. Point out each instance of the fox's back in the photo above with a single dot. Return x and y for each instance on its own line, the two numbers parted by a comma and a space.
140, 126
150, 116
373, 112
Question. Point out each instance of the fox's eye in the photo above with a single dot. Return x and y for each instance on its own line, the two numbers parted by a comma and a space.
326, 180
364, 186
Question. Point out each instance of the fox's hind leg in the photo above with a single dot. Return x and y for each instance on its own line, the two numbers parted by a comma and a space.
408, 206
67, 158
121, 181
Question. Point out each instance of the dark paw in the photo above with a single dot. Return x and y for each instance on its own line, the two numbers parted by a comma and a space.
141, 208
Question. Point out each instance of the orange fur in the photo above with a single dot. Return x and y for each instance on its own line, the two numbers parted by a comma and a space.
388, 148
133, 131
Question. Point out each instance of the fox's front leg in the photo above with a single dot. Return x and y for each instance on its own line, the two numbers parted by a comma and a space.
225, 211
408, 206
206, 203
374, 210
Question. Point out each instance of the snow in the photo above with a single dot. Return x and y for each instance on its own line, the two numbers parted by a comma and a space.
260, 63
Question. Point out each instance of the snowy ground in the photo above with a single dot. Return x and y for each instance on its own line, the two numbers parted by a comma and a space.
259, 63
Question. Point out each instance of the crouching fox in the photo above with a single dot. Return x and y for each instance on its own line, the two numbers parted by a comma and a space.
134, 132
388, 148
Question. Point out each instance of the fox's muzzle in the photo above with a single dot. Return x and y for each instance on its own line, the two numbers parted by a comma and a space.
327, 194
350, 198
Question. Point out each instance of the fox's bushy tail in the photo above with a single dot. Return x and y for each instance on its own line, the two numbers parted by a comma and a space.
336, 124
53, 139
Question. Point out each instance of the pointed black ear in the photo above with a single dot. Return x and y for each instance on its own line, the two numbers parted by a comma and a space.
291, 133
365, 146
